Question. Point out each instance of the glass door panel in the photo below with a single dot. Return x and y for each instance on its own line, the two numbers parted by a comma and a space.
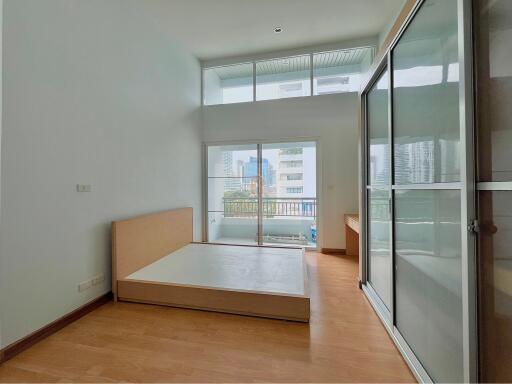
428, 279
379, 244
427, 228
378, 133
495, 304
493, 25
379, 190
233, 194
289, 200
426, 97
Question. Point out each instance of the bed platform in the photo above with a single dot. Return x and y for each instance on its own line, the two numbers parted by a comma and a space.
155, 261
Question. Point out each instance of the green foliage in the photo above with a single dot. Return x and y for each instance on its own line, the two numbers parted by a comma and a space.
237, 194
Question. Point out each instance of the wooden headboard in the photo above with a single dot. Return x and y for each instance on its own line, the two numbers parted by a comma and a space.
142, 240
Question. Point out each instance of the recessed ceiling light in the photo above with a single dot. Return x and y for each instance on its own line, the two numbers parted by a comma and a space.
278, 29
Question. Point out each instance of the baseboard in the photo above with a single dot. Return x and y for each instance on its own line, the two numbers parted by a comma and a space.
19, 346
333, 251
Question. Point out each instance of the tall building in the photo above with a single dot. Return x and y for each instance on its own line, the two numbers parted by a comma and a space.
290, 172
250, 173
231, 174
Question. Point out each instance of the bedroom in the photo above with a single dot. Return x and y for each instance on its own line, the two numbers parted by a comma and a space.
249, 124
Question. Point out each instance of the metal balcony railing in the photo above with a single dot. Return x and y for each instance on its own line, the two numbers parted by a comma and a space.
271, 206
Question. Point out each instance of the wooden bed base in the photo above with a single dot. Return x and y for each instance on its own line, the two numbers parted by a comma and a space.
143, 240
252, 303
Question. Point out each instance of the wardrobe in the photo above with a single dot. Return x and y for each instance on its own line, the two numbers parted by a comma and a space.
436, 190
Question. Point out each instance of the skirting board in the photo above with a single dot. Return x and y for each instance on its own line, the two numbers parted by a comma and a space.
19, 346
333, 251
276, 306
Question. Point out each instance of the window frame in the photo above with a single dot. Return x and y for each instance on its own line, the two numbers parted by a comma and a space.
367, 44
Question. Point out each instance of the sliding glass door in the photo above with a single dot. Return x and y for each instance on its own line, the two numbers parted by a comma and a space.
378, 190
418, 253
233, 189
493, 25
426, 157
289, 209
262, 194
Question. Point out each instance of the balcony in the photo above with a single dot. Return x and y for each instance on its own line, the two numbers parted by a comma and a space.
286, 221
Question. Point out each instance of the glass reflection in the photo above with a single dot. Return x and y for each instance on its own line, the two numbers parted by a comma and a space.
426, 97
494, 96
379, 247
378, 132
495, 304
428, 279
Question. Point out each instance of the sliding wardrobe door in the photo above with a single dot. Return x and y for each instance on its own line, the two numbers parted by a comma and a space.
493, 25
379, 190
419, 206
427, 190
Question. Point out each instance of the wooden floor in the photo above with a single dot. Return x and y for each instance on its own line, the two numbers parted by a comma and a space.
345, 342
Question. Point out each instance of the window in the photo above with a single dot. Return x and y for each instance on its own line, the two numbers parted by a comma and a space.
291, 151
340, 71
253, 199
291, 164
291, 177
229, 84
283, 78
280, 78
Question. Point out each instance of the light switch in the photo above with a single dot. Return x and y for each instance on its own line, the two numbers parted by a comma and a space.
83, 188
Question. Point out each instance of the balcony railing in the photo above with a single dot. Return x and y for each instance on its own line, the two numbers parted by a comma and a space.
271, 206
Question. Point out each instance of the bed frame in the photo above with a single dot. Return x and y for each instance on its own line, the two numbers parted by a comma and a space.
142, 240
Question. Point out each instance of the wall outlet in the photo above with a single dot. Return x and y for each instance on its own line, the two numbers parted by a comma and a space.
98, 279
83, 188
84, 285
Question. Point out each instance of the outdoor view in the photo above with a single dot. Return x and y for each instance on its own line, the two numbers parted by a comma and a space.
288, 197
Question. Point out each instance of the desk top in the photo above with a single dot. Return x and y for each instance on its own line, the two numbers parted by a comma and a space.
352, 220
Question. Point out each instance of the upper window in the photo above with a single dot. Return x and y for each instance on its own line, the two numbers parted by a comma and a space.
283, 78
280, 78
340, 71
228, 84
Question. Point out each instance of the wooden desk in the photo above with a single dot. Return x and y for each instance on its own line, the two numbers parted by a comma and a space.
352, 234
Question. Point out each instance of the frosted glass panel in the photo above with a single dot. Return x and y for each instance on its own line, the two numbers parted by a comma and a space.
426, 97
379, 245
428, 279
378, 132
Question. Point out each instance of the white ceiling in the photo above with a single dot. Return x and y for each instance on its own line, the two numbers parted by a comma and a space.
212, 29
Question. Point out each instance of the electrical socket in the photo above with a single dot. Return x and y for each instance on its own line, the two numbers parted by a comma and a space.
83, 188
84, 285
98, 279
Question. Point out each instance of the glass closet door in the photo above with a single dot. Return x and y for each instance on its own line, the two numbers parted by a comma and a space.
427, 190
493, 24
378, 190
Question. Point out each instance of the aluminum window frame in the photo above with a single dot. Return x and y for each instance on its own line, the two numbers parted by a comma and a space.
285, 55
259, 144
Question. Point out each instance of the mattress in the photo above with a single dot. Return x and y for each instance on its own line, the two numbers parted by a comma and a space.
255, 269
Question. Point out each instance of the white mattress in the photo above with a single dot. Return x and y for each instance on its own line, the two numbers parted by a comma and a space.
271, 270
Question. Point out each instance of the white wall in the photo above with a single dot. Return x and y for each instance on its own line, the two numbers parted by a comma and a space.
331, 118
94, 93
